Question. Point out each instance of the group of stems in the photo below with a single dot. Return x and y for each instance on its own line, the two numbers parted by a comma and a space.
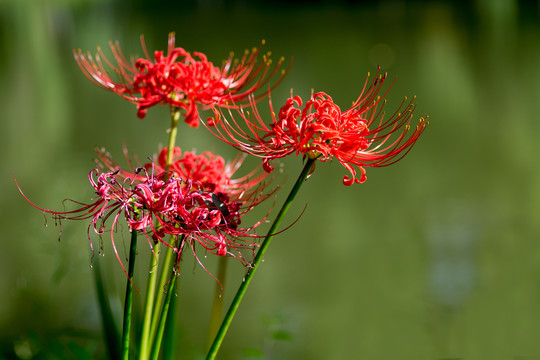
153, 328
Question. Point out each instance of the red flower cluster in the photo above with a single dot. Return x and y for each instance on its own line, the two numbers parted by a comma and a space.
179, 78
358, 137
159, 203
209, 170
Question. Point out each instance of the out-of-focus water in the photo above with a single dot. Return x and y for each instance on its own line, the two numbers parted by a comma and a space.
435, 257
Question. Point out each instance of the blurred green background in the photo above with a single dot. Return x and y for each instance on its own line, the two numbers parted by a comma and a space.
435, 257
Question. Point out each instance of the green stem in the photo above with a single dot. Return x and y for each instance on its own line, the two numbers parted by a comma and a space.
169, 338
175, 117
112, 338
149, 304
165, 276
217, 306
129, 297
163, 318
255, 264
152, 302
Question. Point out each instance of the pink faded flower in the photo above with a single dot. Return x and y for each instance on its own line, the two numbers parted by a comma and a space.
158, 205
358, 137
179, 78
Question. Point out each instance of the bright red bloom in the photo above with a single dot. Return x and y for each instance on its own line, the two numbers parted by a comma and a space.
358, 137
179, 78
160, 204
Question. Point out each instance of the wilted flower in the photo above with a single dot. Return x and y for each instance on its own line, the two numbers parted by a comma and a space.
179, 78
358, 137
159, 204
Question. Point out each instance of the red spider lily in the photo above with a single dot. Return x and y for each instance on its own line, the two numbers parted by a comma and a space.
179, 78
159, 205
358, 137
208, 169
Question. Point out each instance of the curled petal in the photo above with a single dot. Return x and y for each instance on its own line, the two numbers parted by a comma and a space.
181, 79
358, 137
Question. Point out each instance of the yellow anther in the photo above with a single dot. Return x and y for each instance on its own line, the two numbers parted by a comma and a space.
263, 42
368, 74
282, 71
231, 54
407, 127
269, 53
254, 49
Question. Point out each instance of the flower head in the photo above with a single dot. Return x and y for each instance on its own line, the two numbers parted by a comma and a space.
158, 204
358, 137
179, 78
207, 169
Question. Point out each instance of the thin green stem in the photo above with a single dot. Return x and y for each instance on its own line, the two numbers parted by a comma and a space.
129, 297
217, 306
163, 319
149, 304
169, 338
165, 276
255, 264
173, 131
